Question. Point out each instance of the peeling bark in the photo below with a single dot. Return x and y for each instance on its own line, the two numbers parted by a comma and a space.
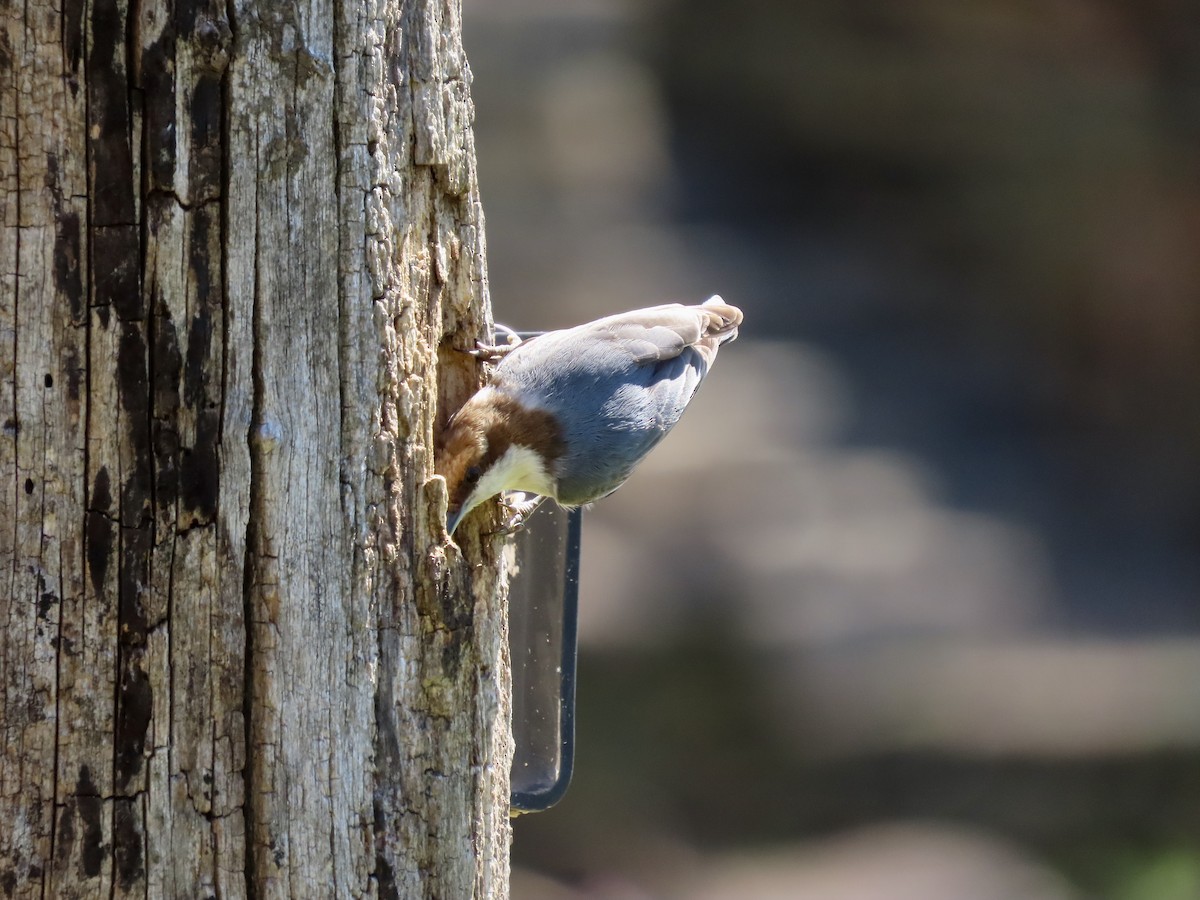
238, 244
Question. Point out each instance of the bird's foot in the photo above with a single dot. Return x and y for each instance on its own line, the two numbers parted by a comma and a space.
518, 511
494, 352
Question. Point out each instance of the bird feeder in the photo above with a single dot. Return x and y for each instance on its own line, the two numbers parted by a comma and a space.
542, 618
631, 375
543, 606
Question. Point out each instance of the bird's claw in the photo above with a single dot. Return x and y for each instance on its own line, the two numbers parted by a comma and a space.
489, 352
518, 511
494, 352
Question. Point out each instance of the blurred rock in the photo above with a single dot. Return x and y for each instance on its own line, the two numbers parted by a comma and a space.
1038, 699
889, 862
902, 861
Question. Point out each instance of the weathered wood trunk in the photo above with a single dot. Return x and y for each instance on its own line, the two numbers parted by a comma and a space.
236, 659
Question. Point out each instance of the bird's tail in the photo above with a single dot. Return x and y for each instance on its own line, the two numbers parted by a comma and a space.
722, 320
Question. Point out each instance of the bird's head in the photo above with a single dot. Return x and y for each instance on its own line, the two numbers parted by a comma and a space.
494, 444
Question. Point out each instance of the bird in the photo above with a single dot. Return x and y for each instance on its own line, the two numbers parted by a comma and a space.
569, 414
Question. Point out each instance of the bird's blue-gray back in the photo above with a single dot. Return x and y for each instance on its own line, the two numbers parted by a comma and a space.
606, 403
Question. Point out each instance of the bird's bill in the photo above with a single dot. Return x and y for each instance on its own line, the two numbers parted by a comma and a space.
454, 516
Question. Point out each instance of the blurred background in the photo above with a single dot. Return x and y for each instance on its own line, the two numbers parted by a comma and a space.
908, 606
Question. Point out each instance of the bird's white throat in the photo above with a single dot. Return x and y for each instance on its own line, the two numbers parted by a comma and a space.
518, 469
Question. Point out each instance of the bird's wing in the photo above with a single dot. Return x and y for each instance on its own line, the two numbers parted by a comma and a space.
661, 333
643, 337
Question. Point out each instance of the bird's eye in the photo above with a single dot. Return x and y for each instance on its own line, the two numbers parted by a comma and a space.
473, 474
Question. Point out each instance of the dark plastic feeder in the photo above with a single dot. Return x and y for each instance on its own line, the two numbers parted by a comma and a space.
542, 619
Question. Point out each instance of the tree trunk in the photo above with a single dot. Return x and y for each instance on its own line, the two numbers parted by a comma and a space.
236, 659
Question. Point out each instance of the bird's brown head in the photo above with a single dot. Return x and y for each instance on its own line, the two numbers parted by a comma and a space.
494, 444
463, 453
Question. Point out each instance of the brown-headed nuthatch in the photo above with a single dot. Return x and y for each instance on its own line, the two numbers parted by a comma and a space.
569, 414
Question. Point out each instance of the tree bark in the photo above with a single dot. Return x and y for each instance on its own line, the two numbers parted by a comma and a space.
238, 244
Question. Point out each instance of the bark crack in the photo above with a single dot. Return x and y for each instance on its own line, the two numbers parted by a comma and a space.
342, 374
226, 182
13, 424
249, 572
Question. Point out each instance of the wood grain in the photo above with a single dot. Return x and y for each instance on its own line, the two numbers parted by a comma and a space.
238, 243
